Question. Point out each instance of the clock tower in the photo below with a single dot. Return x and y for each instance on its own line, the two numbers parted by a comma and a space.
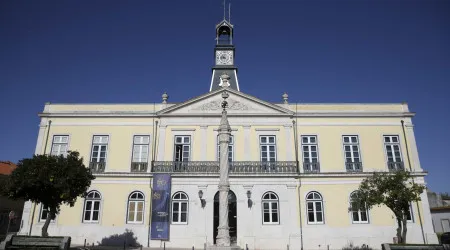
224, 57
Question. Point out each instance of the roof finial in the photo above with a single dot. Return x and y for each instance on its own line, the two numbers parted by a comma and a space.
165, 96
285, 98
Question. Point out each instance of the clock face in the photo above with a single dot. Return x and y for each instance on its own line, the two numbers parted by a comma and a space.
224, 57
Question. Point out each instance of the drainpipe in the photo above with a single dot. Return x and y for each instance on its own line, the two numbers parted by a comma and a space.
294, 123
410, 170
155, 131
34, 204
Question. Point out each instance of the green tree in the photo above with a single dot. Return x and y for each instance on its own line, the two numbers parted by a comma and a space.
49, 180
395, 190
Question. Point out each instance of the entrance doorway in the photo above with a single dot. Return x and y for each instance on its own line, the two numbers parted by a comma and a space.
232, 216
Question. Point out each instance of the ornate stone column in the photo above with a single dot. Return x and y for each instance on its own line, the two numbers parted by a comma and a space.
223, 235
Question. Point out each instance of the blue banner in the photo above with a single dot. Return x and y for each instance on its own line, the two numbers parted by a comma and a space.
161, 207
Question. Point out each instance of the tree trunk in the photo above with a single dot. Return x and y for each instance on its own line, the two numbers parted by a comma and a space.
50, 216
399, 229
404, 221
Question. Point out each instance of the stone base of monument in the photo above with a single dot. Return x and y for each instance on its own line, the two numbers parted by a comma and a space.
214, 247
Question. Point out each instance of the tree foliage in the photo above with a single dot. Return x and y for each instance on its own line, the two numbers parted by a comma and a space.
395, 190
49, 180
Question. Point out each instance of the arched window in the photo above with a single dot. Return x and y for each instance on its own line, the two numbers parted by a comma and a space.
92, 207
179, 208
270, 208
314, 207
135, 208
359, 213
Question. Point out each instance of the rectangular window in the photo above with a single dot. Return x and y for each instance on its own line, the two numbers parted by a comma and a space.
91, 211
140, 148
99, 148
60, 145
268, 148
409, 215
230, 149
393, 154
352, 153
182, 148
310, 152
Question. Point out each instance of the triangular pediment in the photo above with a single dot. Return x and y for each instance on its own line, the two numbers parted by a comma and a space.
239, 104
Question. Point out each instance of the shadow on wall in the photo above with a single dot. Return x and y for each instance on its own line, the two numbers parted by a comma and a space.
128, 239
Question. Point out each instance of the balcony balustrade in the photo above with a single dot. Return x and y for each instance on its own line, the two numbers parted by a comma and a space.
139, 166
353, 166
97, 167
235, 167
394, 166
311, 167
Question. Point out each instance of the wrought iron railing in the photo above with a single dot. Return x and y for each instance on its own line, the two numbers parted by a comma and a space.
394, 166
311, 167
235, 167
139, 166
97, 167
353, 166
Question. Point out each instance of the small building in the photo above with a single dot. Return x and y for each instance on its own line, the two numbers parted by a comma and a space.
8, 205
440, 212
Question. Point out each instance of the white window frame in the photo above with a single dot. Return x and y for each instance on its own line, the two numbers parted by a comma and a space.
314, 201
411, 214
184, 144
230, 149
271, 210
93, 201
59, 141
351, 144
391, 145
100, 145
44, 208
268, 144
136, 201
180, 201
360, 221
309, 144
140, 144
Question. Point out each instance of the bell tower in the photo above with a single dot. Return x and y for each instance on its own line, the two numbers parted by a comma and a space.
224, 52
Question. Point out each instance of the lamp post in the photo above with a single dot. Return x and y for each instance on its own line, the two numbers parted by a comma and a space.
223, 234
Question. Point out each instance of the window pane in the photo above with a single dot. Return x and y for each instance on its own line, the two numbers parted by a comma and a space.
88, 205
183, 217
319, 217
311, 216
274, 217
140, 207
95, 216
131, 215
184, 207
87, 215
139, 216
318, 206
313, 139
96, 205
266, 205
364, 216
176, 206
355, 216
175, 217
266, 217
310, 206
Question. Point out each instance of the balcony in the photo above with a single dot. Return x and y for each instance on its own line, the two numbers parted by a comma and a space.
97, 167
311, 167
394, 166
353, 166
139, 167
235, 168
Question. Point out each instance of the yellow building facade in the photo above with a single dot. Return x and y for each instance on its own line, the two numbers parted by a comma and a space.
293, 168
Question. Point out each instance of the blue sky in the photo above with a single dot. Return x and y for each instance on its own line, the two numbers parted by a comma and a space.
317, 51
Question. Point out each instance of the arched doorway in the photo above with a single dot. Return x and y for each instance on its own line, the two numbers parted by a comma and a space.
232, 216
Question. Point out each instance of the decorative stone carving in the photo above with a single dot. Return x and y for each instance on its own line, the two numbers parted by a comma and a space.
217, 105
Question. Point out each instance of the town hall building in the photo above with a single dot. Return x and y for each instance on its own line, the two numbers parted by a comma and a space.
293, 168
